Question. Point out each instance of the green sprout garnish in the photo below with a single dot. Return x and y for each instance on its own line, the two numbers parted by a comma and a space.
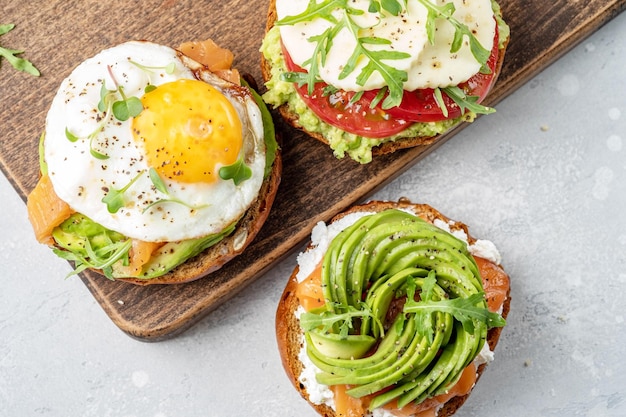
376, 59
102, 258
10, 55
160, 185
169, 68
114, 198
109, 104
238, 172
122, 109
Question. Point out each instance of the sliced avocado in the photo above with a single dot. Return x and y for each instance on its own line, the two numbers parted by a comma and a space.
173, 254
387, 256
91, 245
342, 347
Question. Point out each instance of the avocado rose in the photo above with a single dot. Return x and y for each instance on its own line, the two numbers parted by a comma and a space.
393, 310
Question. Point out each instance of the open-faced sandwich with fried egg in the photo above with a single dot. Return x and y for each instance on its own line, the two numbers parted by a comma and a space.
157, 164
373, 76
393, 310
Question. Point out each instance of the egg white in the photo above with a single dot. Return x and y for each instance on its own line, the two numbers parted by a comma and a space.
83, 181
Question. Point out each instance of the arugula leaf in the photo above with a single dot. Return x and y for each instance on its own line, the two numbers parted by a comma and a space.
10, 55
465, 310
460, 30
393, 77
328, 320
238, 172
323, 42
314, 10
440, 102
393, 7
466, 102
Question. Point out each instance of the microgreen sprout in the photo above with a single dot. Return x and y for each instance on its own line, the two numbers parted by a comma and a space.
160, 185
10, 55
125, 108
169, 68
114, 198
109, 104
102, 258
238, 171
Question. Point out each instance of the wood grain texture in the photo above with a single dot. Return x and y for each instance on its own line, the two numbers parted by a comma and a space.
58, 35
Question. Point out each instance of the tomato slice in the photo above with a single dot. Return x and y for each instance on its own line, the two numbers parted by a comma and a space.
338, 109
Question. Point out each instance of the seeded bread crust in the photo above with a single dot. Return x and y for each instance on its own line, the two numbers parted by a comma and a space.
292, 118
289, 333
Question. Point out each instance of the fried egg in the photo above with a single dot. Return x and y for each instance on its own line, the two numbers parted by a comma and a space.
151, 171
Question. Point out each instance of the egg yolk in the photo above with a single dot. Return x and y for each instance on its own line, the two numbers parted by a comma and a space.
188, 130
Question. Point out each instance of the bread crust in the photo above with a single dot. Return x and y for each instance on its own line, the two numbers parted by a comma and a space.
288, 331
292, 118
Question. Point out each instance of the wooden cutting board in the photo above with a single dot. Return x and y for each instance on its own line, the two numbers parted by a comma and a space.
57, 35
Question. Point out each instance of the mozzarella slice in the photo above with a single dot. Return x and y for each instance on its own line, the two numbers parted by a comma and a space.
427, 66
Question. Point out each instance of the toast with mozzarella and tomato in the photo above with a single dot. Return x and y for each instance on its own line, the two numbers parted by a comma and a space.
393, 310
371, 77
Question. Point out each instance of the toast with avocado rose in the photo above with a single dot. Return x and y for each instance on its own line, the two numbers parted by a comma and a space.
370, 77
393, 310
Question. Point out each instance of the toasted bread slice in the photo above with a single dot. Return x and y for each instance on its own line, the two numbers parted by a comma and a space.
292, 117
289, 333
